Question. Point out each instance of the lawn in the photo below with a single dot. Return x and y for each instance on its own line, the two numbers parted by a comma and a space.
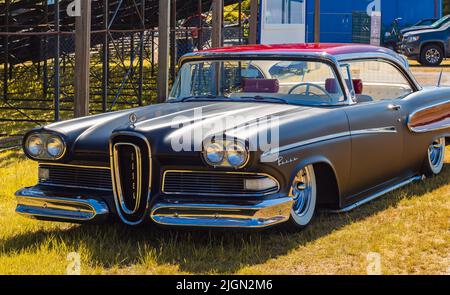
409, 228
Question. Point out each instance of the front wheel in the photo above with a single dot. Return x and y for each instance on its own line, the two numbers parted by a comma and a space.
304, 193
434, 162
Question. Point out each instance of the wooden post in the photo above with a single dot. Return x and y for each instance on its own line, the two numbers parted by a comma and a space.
173, 39
105, 56
217, 23
317, 21
57, 75
200, 25
163, 49
254, 10
82, 59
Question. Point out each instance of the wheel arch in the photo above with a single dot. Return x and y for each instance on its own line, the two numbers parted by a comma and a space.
433, 42
328, 188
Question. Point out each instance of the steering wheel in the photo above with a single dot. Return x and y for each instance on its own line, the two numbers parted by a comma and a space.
308, 87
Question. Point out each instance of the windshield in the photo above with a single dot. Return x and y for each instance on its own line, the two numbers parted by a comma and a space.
300, 82
441, 21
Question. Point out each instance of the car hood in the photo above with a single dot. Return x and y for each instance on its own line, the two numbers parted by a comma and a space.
168, 122
415, 28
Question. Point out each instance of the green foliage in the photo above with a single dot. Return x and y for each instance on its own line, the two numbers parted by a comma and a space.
446, 7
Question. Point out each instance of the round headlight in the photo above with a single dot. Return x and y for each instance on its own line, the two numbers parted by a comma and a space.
34, 145
55, 146
214, 153
236, 154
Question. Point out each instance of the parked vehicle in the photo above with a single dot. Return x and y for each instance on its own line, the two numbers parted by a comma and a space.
436, 25
426, 22
429, 47
309, 127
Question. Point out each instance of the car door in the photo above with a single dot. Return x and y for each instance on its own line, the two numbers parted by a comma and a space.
377, 125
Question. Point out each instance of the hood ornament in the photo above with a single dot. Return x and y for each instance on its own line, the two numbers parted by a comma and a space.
133, 119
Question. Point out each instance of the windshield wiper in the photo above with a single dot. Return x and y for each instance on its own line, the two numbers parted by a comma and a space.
259, 97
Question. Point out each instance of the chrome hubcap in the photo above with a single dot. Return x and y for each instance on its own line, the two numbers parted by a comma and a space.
302, 190
436, 152
433, 56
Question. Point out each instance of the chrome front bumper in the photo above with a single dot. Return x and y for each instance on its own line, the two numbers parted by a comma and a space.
35, 202
262, 214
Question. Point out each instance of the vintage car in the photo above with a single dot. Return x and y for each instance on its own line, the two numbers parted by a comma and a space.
308, 127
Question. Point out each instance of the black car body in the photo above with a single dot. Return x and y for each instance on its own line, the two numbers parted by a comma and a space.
429, 47
341, 143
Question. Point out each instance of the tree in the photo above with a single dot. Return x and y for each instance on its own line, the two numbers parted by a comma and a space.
446, 7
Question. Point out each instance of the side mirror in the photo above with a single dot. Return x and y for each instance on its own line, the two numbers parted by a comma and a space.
358, 86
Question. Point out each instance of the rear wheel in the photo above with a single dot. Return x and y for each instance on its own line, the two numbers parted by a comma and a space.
434, 161
304, 193
431, 55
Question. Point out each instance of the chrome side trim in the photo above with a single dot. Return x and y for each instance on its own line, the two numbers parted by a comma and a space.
118, 182
31, 203
219, 172
389, 129
263, 214
429, 127
116, 199
377, 195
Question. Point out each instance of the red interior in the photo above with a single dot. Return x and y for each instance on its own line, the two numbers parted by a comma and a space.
260, 85
358, 86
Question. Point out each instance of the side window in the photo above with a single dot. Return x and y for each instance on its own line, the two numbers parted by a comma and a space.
380, 81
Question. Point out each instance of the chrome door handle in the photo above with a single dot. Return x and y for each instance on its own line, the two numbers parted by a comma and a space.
394, 107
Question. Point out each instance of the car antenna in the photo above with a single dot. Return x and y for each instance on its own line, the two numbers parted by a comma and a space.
440, 78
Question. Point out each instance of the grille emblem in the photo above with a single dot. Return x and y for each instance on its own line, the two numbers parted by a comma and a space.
133, 119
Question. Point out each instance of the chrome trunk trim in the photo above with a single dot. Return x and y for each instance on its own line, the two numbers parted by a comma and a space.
35, 204
259, 215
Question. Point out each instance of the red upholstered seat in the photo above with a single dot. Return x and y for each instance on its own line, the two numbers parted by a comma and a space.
260, 85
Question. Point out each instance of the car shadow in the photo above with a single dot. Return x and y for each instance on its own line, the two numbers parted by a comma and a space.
203, 251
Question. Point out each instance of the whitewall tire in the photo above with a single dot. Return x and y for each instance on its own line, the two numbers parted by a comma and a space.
304, 193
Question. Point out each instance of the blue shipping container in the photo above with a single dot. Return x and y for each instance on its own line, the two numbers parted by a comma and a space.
336, 23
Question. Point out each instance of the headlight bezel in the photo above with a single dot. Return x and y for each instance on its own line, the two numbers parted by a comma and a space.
45, 137
59, 142
27, 145
225, 144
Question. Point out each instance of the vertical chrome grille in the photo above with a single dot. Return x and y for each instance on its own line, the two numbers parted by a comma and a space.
128, 175
131, 174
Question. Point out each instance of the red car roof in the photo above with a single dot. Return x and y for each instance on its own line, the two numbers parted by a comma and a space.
329, 48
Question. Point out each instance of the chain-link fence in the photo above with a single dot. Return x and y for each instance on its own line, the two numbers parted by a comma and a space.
37, 56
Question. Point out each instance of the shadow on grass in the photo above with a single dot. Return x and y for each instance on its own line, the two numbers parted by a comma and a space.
202, 251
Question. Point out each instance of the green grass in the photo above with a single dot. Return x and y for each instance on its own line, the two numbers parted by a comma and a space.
409, 228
